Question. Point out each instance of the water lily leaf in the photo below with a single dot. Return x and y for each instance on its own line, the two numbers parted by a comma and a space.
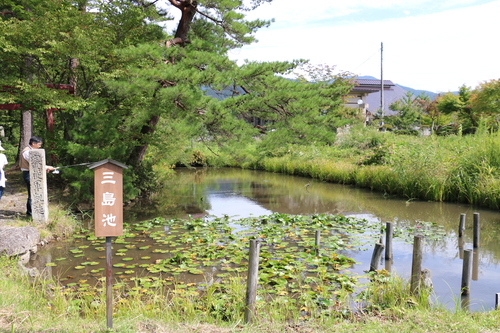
195, 271
50, 264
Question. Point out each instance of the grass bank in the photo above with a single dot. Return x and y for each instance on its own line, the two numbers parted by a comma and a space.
38, 306
434, 168
453, 168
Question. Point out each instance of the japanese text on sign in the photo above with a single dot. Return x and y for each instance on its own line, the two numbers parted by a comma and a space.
108, 192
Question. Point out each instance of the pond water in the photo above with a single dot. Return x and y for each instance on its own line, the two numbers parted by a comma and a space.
243, 193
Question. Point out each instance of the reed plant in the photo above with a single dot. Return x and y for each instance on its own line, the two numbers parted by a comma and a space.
449, 168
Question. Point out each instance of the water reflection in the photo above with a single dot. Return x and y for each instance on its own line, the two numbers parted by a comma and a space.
243, 193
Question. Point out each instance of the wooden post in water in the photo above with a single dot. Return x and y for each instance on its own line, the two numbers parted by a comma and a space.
416, 265
253, 276
388, 241
461, 226
466, 270
465, 302
377, 254
475, 264
461, 244
317, 241
476, 231
497, 300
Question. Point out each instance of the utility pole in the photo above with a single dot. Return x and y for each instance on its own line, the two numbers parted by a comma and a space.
382, 81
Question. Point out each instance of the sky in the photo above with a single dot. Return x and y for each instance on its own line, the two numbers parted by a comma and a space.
434, 45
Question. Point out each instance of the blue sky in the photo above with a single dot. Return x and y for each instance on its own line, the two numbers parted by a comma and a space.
436, 45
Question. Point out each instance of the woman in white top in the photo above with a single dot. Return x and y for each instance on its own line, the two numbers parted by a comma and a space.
3, 162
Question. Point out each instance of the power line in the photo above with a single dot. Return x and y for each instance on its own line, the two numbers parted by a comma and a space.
367, 59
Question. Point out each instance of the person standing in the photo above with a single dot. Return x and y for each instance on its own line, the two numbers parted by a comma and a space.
34, 143
3, 162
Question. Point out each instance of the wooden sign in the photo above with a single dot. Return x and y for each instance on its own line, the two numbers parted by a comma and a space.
108, 198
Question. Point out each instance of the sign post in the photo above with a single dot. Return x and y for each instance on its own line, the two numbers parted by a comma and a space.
108, 215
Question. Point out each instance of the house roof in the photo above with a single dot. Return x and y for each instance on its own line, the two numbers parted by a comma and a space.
371, 85
373, 82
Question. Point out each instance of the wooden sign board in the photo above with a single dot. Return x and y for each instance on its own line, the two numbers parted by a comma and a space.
108, 198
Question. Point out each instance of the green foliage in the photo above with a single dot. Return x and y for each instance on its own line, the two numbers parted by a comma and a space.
460, 105
377, 156
449, 129
407, 132
486, 102
138, 99
439, 168
409, 112
362, 138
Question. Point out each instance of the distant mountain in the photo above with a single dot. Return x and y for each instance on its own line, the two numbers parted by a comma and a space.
417, 92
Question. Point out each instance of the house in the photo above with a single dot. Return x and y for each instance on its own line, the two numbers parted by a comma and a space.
364, 91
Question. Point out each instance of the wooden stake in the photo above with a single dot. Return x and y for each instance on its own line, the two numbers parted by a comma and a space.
466, 271
416, 265
253, 276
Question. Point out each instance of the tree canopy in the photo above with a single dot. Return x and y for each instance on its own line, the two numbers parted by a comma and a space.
104, 79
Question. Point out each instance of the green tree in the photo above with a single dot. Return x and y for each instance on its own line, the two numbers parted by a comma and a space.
409, 112
460, 104
485, 102
305, 110
138, 87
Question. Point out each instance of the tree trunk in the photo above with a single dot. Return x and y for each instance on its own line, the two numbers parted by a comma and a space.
188, 9
139, 152
26, 132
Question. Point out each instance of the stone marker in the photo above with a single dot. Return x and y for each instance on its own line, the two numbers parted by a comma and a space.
38, 179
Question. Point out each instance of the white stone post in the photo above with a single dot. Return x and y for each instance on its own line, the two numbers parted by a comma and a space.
38, 185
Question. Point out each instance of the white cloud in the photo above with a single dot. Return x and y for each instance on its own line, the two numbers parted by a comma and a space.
437, 52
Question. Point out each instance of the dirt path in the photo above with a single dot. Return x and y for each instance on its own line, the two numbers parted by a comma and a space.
13, 202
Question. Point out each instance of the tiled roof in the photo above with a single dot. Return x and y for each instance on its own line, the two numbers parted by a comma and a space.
367, 89
372, 82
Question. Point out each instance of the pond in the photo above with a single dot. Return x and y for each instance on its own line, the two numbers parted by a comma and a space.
242, 193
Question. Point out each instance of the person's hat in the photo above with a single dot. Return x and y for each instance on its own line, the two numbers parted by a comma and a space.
1, 148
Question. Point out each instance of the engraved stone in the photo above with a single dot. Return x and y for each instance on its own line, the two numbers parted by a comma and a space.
38, 179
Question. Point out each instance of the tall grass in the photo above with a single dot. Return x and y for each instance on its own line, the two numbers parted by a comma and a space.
453, 168
386, 305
